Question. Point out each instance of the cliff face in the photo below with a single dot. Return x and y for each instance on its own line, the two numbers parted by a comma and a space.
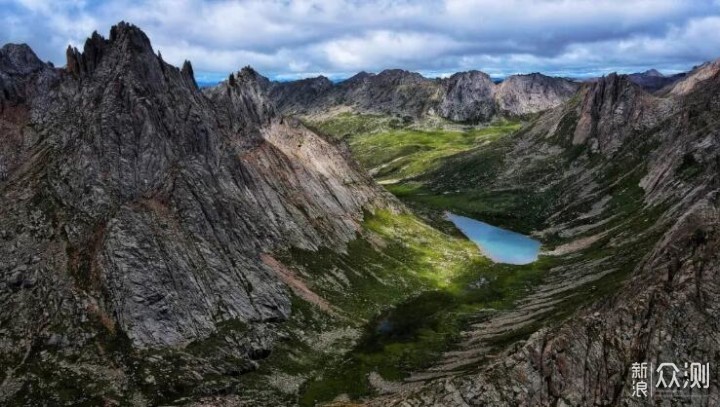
526, 94
140, 210
693, 78
466, 96
23, 79
651, 183
613, 109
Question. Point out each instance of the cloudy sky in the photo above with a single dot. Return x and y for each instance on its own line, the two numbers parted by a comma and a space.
288, 39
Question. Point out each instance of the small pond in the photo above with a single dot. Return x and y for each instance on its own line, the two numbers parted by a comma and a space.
500, 245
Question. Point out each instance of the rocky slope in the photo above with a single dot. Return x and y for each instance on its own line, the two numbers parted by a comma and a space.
695, 77
465, 97
637, 180
137, 217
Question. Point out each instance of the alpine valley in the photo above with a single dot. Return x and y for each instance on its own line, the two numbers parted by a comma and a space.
262, 243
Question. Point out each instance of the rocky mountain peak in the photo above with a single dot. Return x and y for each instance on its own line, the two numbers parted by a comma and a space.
358, 77
296, 96
130, 36
653, 72
127, 45
472, 75
248, 77
19, 59
188, 72
22, 73
85, 63
152, 204
248, 72
244, 98
468, 96
690, 82
399, 76
608, 90
652, 80
612, 109
525, 94
320, 82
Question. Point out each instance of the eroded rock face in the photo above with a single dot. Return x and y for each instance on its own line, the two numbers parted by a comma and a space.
520, 95
468, 96
144, 206
296, 96
613, 109
24, 79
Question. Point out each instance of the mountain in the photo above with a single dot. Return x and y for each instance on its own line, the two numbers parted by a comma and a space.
139, 218
465, 97
696, 77
295, 95
521, 95
652, 80
468, 96
629, 182
22, 77
392, 91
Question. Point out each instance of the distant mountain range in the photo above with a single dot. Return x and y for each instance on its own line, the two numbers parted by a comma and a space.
468, 97
464, 97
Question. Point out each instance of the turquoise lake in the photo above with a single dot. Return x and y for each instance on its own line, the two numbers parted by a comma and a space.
500, 245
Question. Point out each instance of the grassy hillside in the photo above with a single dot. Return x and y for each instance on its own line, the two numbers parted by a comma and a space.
435, 167
393, 151
413, 290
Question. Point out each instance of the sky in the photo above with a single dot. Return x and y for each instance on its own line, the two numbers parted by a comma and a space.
288, 39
